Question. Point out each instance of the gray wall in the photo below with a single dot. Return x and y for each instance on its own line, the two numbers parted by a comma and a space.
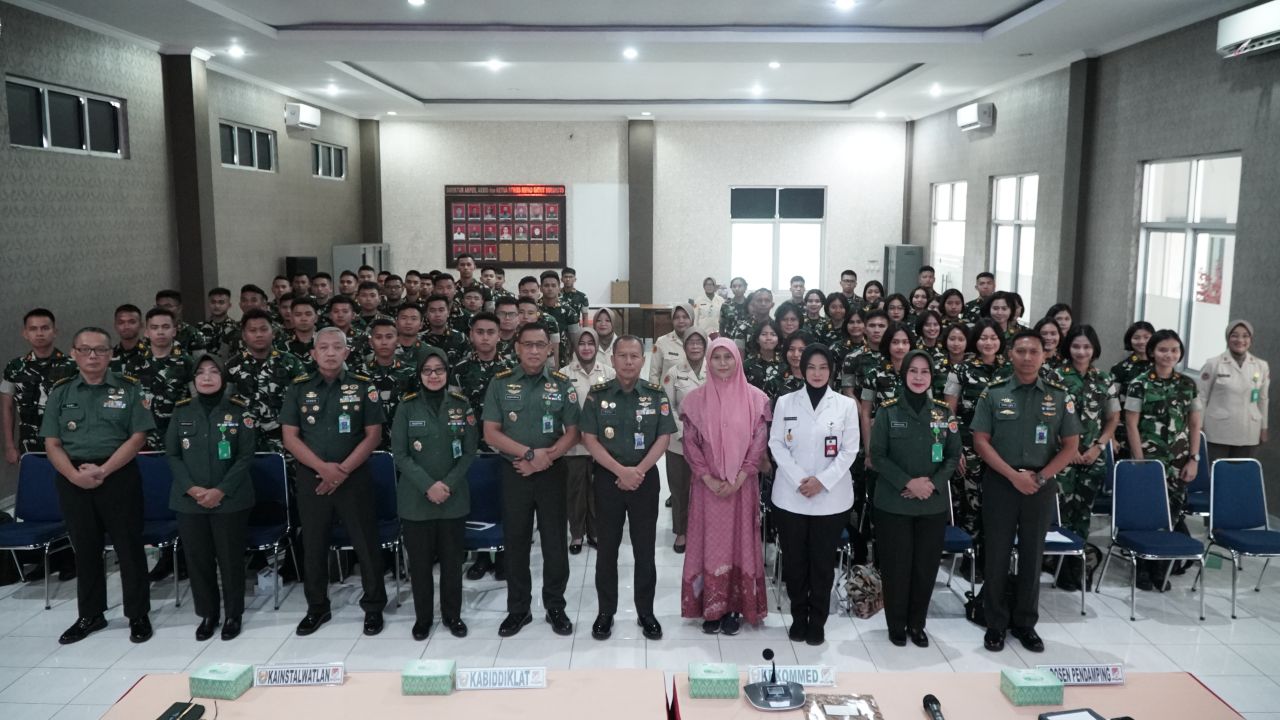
260, 218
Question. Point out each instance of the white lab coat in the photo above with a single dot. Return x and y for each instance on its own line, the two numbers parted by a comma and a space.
797, 439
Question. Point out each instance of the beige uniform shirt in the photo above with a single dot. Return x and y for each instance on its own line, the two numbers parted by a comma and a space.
668, 352
707, 313
582, 382
1234, 399
679, 381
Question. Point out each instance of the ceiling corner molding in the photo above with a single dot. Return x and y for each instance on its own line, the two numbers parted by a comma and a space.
236, 17
81, 21
374, 82
1021, 18
281, 89
198, 53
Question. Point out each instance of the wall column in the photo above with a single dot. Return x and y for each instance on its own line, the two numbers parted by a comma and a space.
370, 181
640, 151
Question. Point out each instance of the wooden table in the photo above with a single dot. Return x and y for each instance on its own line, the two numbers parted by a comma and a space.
621, 694
977, 696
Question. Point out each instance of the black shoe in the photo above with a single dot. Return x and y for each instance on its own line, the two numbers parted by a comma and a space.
422, 629
602, 628
81, 629
311, 623
560, 623
592, 542
231, 628
668, 502
513, 623
678, 548
918, 637
372, 623
140, 629
575, 548
1029, 639
478, 568
457, 628
649, 627
730, 624
1068, 581
1180, 567
898, 637
1144, 582
205, 629
798, 630
816, 635
994, 640
711, 627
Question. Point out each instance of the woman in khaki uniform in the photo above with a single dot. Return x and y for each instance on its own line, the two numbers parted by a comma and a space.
678, 383
668, 350
1234, 389
585, 370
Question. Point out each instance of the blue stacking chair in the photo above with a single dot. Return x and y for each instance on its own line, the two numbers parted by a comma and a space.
1141, 528
1238, 517
957, 542
484, 530
39, 523
383, 468
1071, 544
269, 520
159, 522
1199, 489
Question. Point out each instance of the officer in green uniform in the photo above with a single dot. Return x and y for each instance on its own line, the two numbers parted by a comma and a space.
94, 424
1026, 430
389, 373
210, 447
434, 439
261, 375
626, 426
531, 417
27, 381
331, 422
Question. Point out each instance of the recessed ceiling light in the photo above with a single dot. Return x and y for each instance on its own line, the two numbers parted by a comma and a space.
392, 112
935, 90
235, 51
845, 5
775, 65
495, 64
880, 114
417, 3
331, 89
630, 53
757, 89
646, 113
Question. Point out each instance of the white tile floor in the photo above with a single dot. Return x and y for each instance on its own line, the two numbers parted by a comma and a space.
1239, 660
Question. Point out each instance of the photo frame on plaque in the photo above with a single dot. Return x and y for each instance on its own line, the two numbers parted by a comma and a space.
473, 211
511, 224
553, 231
491, 211
552, 211
535, 211
504, 232
459, 233
521, 211
535, 232
522, 232
504, 211
458, 210
474, 230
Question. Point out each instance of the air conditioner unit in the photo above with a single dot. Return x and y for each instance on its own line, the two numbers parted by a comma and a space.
297, 115
975, 116
1253, 31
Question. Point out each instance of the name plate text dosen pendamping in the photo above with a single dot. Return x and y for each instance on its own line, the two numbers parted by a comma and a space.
1087, 674
501, 678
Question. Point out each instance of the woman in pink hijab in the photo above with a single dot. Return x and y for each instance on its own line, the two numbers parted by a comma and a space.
725, 436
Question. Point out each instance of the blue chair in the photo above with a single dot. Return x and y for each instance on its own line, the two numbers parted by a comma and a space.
484, 530
957, 542
1102, 503
1198, 491
383, 469
39, 523
159, 523
1063, 542
1238, 517
1141, 528
269, 521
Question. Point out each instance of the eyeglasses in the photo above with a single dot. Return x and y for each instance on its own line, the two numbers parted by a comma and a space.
435, 371
94, 351
535, 345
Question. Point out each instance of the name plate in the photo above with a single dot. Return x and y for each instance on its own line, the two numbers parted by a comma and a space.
1087, 674
809, 675
299, 674
501, 678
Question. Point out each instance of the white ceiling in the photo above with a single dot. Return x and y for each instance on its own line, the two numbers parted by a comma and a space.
697, 59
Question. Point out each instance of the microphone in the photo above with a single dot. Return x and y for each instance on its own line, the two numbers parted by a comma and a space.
933, 707
768, 655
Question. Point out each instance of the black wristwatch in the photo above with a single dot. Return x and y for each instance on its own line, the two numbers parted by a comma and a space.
528, 455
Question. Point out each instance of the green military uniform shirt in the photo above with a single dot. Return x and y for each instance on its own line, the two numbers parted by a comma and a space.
411, 355
317, 407
121, 358
191, 445
433, 442
454, 344
1026, 422
164, 382
93, 421
392, 382
534, 410
902, 443
730, 312
627, 422
575, 299
29, 379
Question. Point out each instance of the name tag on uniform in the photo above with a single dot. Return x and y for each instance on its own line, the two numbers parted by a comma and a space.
1255, 396
830, 446
457, 449
548, 424
1042, 434
936, 452
639, 441
417, 423
344, 423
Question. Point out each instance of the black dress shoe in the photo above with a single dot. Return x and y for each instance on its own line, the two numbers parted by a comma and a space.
1144, 581
711, 627
457, 628
513, 623
994, 640
898, 637
560, 623
649, 627
668, 502
602, 628
815, 635
372, 623
422, 629
918, 637
140, 629
205, 629
730, 624
575, 548
311, 623
592, 542
231, 628
1029, 639
798, 630
81, 629
478, 568
678, 548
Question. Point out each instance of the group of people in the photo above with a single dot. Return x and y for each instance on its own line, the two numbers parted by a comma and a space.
878, 415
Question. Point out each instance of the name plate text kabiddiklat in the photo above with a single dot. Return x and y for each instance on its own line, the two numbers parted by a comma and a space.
1087, 674
297, 674
809, 675
501, 678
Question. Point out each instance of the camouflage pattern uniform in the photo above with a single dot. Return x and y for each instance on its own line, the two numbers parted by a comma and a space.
220, 336
818, 328
472, 377
781, 383
1166, 406
565, 317
1123, 373
761, 372
392, 382
1095, 395
506, 349
453, 343
460, 320
880, 382
164, 382
968, 381
190, 337
410, 355
972, 311
302, 351
28, 379
262, 383
730, 313
121, 358
744, 326
851, 365
577, 300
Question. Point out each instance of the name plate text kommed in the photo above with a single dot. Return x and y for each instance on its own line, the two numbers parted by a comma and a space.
1087, 674
808, 675
299, 674
501, 678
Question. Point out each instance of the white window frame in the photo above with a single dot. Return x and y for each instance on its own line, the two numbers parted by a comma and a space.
1017, 223
783, 285
317, 169
235, 143
47, 145
951, 214
1189, 229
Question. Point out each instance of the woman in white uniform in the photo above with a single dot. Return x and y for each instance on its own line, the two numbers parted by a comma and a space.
1234, 389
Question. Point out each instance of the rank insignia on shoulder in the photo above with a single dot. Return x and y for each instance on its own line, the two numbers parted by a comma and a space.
942, 403
361, 378
600, 385
652, 386
183, 401
66, 380
301, 378
133, 380
504, 373
889, 403
408, 396
458, 395
238, 400
559, 375
998, 382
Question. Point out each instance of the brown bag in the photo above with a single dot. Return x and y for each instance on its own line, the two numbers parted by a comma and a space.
864, 590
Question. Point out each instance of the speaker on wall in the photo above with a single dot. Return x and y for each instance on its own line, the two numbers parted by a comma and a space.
299, 264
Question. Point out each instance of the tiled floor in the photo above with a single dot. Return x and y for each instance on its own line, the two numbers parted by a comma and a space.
1239, 660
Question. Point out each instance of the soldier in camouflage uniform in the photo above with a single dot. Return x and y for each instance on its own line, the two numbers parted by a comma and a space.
368, 300
566, 317
219, 330
25, 385
735, 307
570, 295
387, 370
985, 285
746, 324
261, 374
128, 327
1163, 408
507, 309
342, 315
408, 347
1134, 365
303, 338
439, 334
163, 373
764, 360
484, 361
188, 336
